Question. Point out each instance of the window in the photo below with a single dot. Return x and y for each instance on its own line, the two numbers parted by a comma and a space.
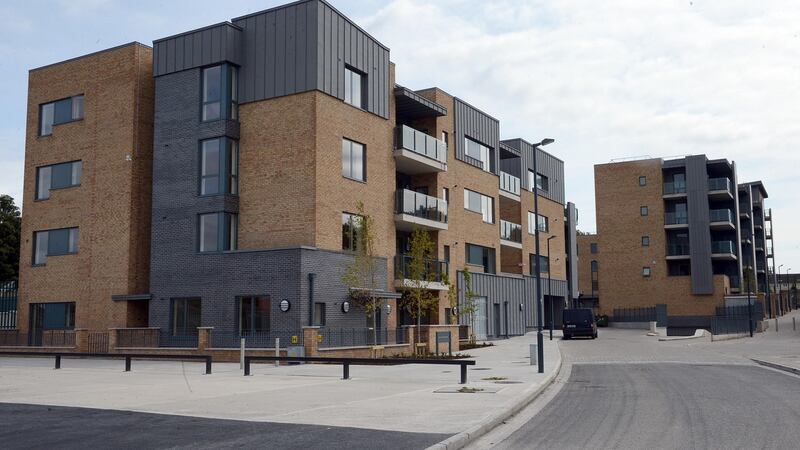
351, 227
185, 316
542, 182
58, 112
593, 248
53, 316
645, 241
642, 181
354, 161
595, 282
679, 268
220, 93
219, 166
542, 221
481, 155
57, 176
446, 195
319, 314
447, 253
54, 243
445, 138
643, 210
645, 271
218, 232
354, 84
543, 260
481, 256
479, 203
254, 315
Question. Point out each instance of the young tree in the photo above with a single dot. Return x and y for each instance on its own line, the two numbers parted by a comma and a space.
418, 297
10, 223
469, 307
362, 274
749, 281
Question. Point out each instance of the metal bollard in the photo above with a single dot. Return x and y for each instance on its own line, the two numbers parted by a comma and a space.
776, 324
277, 351
58, 361
246, 366
794, 324
346, 370
463, 374
208, 365
241, 353
127, 364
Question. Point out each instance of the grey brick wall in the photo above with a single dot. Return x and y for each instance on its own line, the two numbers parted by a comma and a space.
179, 270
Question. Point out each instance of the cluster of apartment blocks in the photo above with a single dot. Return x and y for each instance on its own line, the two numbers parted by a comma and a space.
682, 232
214, 180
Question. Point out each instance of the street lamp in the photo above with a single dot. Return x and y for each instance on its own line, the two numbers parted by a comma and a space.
749, 303
778, 307
549, 282
539, 309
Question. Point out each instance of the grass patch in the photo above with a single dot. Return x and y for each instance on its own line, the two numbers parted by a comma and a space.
468, 346
494, 378
429, 356
469, 390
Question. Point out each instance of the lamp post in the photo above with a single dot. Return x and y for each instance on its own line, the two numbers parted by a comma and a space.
539, 309
749, 304
549, 282
778, 291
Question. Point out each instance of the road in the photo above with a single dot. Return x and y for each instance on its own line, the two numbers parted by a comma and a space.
625, 391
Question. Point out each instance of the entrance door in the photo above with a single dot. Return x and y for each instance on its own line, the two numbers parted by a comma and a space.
481, 319
498, 331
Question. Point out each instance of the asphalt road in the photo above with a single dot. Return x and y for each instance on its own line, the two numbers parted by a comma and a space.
35, 426
666, 405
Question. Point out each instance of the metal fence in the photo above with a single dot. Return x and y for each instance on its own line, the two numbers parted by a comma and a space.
12, 338
138, 337
736, 319
647, 314
220, 339
58, 338
167, 339
361, 337
463, 332
8, 305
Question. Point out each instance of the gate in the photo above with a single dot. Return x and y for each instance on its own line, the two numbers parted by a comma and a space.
8, 305
98, 342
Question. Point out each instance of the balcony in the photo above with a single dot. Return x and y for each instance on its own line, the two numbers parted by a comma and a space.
744, 211
678, 251
416, 210
510, 234
723, 250
758, 223
721, 219
757, 203
759, 245
747, 237
509, 186
416, 152
720, 188
676, 220
760, 267
675, 189
434, 273
769, 252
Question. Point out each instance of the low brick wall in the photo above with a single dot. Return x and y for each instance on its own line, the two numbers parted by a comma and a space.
366, 352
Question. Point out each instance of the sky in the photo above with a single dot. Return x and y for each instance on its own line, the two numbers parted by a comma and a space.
607, 80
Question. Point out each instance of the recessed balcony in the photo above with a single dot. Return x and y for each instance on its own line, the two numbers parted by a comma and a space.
674, 220
510, 234
676, 189
721, 219
723, 250
416, 152
416, 210
509, 186
431, 272
678, 251
720, 188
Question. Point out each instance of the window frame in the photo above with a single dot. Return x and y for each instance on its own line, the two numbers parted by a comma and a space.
487, 253
227, 164
486, 165
644, 211
351, 145
352, 235
73, 116
645, 241
227, 232
174, 316
349, 71
319, 320
647, 271
228, 92
252, 307
486, 205
593, 248
642, 180
543, 260
72, 244
73, 183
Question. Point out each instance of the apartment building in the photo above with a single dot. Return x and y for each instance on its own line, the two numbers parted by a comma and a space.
757, 244
668, 234
86, 227
268, 134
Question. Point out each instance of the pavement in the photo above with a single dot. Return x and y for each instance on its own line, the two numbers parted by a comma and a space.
377, 405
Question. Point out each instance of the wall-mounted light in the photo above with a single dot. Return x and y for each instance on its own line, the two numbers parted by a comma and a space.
388, 309
345, 307
285, 305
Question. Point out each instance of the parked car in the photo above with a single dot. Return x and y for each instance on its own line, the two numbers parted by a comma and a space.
579, 322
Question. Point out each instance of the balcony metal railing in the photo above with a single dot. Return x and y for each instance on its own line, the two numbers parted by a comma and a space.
725, 247
677, 249
759, 243
420, 143
510, 231
720, 215
420, 205
509, 183
757, 203
719, 184
434, 269
675, 187
676, 218
759, 266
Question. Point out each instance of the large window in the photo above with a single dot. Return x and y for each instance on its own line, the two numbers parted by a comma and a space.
479, 203
58, 112
354, 161
54, 243
220, 93
53, 316
254, 315
319, 314
482, 155
57, 176
186, 316
542, 182
351, 226
354, 85
481, 256
542, 221
543, 260
219, 166
218, 232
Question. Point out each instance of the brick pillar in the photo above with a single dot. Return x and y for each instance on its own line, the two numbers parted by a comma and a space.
311, 340
112, 340
203, 338
409, 334
82, 340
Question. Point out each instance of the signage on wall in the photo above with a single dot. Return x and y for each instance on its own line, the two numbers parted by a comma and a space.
285, 305
294, 339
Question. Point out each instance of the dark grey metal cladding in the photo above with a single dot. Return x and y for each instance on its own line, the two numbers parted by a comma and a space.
206, 46
511, 165
572, 248
305, 46
548, 165
699, 231
411, 106
478, 126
